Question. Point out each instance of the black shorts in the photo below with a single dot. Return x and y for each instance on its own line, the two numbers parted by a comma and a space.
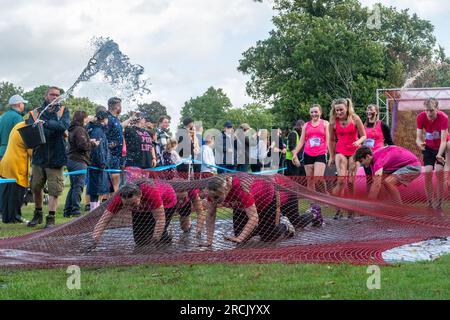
267, 228
429, 157
311, 160
143, 225
185, 210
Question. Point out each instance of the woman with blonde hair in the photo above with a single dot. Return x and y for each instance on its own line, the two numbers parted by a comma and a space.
345, 126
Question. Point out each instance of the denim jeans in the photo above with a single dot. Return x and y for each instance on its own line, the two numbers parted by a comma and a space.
77, 182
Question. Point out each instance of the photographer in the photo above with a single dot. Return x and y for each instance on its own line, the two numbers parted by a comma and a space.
49, 158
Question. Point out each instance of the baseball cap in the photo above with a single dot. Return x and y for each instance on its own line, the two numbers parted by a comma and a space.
16, 99
228, 124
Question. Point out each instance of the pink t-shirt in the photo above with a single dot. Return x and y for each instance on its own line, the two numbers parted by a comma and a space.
346, 137
392, 158
375, 137
433, 128
315, 139
153, 197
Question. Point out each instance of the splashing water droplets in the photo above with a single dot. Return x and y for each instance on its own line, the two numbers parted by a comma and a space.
428, 67
116, 69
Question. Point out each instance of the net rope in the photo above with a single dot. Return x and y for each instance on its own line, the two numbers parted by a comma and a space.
292, 223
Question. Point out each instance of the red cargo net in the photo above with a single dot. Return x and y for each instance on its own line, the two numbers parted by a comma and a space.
275, 219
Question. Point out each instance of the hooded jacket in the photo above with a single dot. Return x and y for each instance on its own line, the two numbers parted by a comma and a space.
52, 154
79, 144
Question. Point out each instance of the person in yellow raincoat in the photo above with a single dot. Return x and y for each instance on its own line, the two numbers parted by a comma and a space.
15, 164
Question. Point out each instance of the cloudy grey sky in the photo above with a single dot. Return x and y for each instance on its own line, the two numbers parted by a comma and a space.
184, 45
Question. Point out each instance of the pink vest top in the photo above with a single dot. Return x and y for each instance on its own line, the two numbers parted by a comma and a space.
315, 139
375, 137
346, 136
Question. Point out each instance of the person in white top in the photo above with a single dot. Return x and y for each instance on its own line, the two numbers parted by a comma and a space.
258, 153
208, 157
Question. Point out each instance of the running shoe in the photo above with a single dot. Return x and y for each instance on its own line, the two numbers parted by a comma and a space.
316, 210
338, 215
290, 230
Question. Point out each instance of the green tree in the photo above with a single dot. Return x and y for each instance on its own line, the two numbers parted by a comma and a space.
7, 90
321, 50
255, 114
75, 103
35, 97
210, 108
154, 110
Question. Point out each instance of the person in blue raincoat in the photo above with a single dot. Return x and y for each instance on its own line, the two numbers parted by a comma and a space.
99, 180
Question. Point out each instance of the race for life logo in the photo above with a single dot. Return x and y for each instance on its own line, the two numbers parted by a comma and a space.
436, 135
315, 142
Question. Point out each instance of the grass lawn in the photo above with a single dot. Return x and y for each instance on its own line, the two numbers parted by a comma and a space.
226, 281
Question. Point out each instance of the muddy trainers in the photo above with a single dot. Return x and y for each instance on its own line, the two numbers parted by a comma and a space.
49, 221
316, 210
290, 230
37, 219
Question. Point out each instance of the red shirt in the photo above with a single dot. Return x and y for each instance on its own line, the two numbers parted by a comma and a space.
315, 139
261, 194
375, 137
346, 136
392, 158
433, 128
153, 197
191, 195
287, 183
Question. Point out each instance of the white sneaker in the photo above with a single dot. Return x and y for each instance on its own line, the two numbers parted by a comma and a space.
290, 228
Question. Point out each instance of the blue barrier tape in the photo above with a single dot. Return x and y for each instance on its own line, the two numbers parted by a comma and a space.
270, 171
235, 171
157, 169
216, 167
7, 181
75, 173
173, 166
106, 170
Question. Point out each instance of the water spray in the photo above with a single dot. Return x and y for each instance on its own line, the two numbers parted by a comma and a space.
117, 69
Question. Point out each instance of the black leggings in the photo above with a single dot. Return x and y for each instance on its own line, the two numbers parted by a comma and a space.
267, 227
144, 225
290, 211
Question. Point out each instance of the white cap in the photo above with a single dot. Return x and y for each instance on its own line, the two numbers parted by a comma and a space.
16, 99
